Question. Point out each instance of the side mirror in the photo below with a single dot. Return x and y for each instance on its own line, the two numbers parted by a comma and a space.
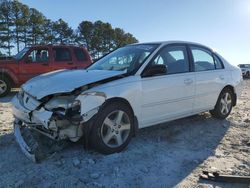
155, 70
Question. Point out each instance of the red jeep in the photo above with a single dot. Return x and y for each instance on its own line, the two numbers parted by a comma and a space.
36, 60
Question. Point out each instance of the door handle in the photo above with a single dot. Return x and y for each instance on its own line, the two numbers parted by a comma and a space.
188, 81
222, 77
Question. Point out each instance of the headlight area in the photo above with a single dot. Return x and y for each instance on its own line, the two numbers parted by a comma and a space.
66, 118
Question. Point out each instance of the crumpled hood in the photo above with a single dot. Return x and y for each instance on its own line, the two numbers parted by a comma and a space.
64, 81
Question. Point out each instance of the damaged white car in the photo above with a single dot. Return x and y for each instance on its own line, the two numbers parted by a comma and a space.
133, 87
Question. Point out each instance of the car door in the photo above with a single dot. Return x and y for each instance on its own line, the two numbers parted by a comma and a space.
62, 58
81, 58
210, 78
169, 96
35, 62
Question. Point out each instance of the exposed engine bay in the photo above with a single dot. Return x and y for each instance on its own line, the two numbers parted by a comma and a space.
60, 116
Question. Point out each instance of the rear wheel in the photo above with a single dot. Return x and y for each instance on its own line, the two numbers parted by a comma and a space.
112, 129
224, 104
5, 86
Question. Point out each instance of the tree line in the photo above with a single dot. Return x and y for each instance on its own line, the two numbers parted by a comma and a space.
22, 26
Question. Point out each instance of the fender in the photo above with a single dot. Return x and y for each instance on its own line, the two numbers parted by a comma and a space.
91, 102
9, 73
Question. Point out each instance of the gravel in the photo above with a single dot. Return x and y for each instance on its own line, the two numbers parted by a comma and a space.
172, 154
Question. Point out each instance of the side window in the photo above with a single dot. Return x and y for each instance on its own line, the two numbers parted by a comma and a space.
62, 54
218, 63
203, 60
39, 56
175, 58
80, 55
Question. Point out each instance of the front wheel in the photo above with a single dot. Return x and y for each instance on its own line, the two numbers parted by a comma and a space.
224, 104
112, 129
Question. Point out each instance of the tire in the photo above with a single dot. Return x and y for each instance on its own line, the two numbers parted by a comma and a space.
5, 86
112, 129
248, 75
224, 104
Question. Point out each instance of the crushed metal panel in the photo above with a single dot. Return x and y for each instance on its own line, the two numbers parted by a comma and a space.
42, 116
90, 102
23, 145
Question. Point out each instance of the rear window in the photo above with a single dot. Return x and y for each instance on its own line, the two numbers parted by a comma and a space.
218, 63
244, 66
62, 54
80, 55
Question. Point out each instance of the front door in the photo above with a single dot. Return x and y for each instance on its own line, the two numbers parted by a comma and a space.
166, 97
35, 62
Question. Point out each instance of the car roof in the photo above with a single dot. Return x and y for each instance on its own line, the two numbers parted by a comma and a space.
57, 45
173, 42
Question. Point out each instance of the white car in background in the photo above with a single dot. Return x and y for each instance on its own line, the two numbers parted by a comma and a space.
245, 68
135, 86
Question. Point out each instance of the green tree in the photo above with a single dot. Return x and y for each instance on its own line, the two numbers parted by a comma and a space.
24, 24
17, 21
48, 35
6, 24
35, 31
121, 38
62, 32
100, 38
85, 33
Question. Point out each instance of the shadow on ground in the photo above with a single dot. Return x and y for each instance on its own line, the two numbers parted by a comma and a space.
7, 98
159, 156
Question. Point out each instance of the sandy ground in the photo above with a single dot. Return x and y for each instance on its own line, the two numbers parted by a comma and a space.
169, 155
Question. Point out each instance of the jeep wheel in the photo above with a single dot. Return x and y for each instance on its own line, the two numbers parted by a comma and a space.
5, 86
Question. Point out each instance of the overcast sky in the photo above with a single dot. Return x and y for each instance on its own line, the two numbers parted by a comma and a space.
223, 25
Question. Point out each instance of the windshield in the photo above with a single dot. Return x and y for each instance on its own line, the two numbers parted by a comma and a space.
244, 65
128, 58
21, 54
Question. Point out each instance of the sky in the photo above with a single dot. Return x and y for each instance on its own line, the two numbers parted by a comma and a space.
223, 25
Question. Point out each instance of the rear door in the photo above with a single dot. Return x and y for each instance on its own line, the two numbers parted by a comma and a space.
81, 58
35, 62
62, 58
166, 97
210, 78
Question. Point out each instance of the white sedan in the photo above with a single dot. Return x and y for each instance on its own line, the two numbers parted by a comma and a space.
135, 86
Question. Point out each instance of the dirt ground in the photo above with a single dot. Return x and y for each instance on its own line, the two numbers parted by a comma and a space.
169, 155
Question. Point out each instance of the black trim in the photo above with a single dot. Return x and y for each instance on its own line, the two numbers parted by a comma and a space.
220, 61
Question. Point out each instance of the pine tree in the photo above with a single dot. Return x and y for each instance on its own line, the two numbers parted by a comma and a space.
62, 32
6, 24
35, 31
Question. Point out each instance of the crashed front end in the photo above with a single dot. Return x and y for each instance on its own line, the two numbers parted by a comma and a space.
58, 117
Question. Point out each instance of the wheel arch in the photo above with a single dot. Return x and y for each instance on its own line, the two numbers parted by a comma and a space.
9, 75
87, 127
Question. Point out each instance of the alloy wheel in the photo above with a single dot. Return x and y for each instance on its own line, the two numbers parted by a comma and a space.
115, 128
226, 103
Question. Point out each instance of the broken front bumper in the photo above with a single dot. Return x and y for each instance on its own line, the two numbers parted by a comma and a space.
29, 151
